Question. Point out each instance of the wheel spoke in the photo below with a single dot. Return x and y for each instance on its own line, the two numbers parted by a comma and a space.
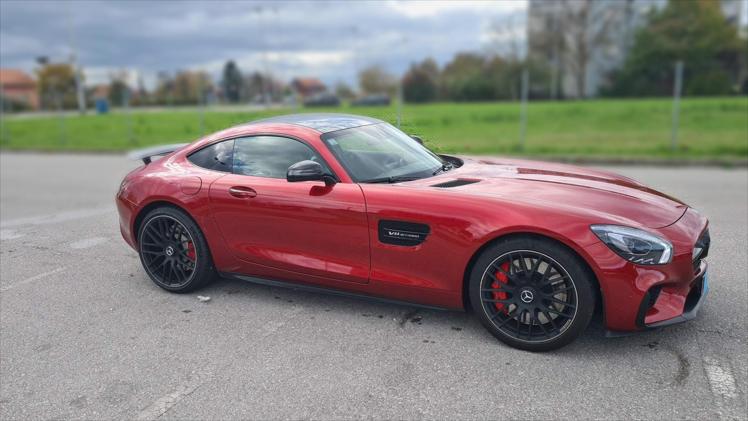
545, 331
559, 291
167, 271
556, 279
550, 310
535, 265
153, 232
509, 317
500, 289
500, 269
557, 301
494, 300
181, 271
532, 322
550, 319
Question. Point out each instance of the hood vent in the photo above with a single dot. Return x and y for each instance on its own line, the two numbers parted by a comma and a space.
456, 183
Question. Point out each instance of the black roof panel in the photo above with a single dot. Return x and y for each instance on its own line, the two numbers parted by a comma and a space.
322, 122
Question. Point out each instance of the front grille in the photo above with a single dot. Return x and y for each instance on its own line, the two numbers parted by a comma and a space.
703, 243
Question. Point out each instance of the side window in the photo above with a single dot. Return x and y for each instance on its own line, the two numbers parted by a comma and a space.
270, 156
217, 157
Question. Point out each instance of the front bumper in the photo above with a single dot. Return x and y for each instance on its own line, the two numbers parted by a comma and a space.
694, 300
643, 297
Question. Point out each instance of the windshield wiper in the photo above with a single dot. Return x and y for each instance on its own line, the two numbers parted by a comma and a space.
444, 168
393, 179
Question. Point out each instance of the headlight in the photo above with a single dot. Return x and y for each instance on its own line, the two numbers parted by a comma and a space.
635, 245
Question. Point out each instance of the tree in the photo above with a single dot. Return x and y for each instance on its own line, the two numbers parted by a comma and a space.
164, 92
56, 84
375, 80
232, 82
186, 87
342, 90
119, 91
465, 78
694, 32
420, 83
256, 86
585, 30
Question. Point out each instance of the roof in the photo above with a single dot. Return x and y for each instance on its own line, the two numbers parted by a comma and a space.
308, 83
322, 122
16, 77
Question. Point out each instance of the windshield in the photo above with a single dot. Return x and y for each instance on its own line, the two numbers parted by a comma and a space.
380, 152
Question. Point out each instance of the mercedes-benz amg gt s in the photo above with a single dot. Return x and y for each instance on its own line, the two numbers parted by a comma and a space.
353, 205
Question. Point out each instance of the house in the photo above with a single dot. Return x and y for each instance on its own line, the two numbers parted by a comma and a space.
17, 86
307, 87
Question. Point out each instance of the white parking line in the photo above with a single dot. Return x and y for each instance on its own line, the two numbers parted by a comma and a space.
32, 279
9, 235
56, 217
87, 243
720, 379
166, 402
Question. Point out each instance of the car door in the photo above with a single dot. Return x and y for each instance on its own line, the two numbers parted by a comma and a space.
301, 227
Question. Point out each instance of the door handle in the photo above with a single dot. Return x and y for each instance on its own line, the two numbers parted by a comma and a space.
242, 192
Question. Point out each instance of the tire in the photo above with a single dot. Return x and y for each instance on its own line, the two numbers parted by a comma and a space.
173, 251
532, 293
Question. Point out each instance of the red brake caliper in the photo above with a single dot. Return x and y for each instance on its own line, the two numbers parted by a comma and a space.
500, 277
191, 251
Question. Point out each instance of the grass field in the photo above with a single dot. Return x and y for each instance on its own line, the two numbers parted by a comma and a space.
709, 128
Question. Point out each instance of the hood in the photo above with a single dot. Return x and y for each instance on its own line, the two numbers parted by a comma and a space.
612, 198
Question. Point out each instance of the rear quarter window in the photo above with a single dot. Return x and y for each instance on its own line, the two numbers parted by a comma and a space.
216, 157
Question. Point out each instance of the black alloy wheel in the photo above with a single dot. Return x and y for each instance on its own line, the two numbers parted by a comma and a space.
528, 296
173, 251
529, 299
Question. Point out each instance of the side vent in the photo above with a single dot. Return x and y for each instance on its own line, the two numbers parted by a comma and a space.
401, 233
456, 183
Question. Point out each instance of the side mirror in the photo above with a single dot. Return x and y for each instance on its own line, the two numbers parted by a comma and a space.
417, 139
308, 171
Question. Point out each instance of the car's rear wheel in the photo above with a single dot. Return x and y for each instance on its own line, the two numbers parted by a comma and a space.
532, 293
173, 251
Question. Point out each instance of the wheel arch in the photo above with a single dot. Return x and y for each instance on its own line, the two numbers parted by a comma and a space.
471, 263
159, 203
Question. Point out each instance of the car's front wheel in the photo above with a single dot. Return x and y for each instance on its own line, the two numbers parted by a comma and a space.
532, 293
173, 251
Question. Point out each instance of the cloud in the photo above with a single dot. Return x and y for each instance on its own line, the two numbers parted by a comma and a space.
329, 39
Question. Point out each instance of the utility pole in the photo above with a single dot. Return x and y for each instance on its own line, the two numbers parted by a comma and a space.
266, 68
523, 109
399, 102
676, 104
201, 101
128, 115
400, 90
3, 131
79, 89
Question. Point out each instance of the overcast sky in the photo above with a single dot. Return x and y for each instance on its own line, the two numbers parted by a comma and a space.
327, 39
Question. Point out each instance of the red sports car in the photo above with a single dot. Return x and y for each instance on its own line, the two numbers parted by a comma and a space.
353, 205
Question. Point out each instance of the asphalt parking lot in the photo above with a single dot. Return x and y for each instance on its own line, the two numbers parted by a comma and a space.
84, 334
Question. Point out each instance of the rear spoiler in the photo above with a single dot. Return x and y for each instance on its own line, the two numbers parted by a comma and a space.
147, 153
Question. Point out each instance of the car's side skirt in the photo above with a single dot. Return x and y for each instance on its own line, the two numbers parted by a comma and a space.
329, 291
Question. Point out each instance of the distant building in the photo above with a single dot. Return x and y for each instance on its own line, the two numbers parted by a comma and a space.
306, 87
608, 26
17, 86
100, 91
